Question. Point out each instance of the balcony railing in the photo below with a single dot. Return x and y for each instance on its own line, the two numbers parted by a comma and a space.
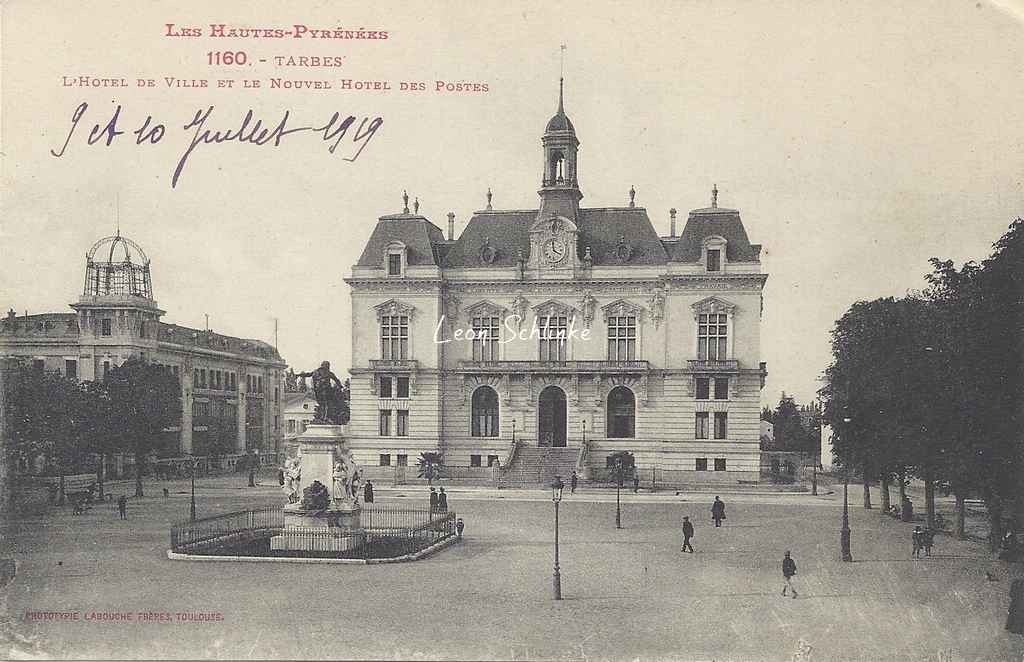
553, 366
393, 364
703, 365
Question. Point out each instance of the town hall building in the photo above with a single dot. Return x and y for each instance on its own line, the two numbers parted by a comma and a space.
546, 339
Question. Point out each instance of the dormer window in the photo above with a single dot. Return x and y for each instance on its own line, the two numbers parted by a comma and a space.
395, 259
713, 249
714, 259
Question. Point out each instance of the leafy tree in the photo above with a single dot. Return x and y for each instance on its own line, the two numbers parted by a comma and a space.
41, 414
430, 465
145, 399
789, 430
620, 464
95, 425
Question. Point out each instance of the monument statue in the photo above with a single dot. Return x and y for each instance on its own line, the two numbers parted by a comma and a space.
345, 477
292, 473
327, 389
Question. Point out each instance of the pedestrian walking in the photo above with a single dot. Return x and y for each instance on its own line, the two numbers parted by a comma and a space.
788, 570
687, 535
442, 501
927, 540
122, 506
572, 483
636, 482
433, 500
459, 526
916, 539
368, 492
718, 511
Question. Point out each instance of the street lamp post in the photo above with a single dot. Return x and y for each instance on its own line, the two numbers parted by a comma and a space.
618, 489
556, 496
844, 532
192, 504
513, 430
814, 475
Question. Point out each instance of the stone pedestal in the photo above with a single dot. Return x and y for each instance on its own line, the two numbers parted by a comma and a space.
336, 528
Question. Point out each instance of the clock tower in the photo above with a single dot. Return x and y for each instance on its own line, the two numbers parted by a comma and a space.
560, 192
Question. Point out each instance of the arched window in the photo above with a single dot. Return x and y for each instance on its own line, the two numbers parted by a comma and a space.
485, 412
621, 413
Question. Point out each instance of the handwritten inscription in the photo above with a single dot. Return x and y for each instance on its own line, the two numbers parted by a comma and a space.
250, 130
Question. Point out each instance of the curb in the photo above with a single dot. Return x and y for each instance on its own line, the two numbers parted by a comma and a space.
423, 553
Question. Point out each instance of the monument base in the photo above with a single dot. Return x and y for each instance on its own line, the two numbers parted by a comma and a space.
334, 530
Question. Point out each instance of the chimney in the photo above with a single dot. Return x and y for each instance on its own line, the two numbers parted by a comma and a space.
451, 226
672, 225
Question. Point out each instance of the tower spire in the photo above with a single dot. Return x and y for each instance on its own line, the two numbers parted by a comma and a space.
561, 79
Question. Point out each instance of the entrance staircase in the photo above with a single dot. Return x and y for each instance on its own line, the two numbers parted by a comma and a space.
535, 466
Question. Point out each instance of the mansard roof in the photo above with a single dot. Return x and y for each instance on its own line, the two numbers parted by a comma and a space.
602, 230
423, 240
183, 335
712, 221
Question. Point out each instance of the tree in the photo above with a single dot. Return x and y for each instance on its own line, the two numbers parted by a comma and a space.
41, 412
430, 464
621, 464
95, 425
789, 430
145, 400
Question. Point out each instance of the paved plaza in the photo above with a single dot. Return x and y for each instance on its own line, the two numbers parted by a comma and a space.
629, 594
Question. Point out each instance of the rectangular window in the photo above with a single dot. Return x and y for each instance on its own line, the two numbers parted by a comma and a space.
403, 460
202, 378
394, 337
259, 384
71, 368
385, 387
703, 388
622, 338
385, 422
277, 395
395, 264
385, 460
492, 460
290, 424
553, 333
474, 460
106, 368
721, 425
401, 387
711, 337
277, 423
700, 430
402, 423
485, 338
38, 365
714, 259
105, 327
702, 464
195, 378
719, 464
721, 388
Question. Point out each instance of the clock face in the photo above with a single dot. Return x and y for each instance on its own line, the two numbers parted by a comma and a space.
555, 249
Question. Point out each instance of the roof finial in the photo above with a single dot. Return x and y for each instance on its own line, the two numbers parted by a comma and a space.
117, 212
405, 202
714, 196
489, 195
561, 80
416, 205
632, 196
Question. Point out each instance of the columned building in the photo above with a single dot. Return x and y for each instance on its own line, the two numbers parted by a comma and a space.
231, 388
560, 326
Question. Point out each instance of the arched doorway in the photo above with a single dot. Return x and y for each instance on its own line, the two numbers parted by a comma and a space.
551, 421
485, 412
621, 413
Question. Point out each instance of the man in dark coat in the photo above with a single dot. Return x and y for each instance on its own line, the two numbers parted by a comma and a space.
788, 570
368, 492
122, 506
718, 511
433, 500
687, 534
572, 483
1015, 616
442, 501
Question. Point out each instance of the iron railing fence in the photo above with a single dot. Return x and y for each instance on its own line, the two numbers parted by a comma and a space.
407, 529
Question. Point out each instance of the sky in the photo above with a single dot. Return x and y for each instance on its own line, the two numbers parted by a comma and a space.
857, 139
